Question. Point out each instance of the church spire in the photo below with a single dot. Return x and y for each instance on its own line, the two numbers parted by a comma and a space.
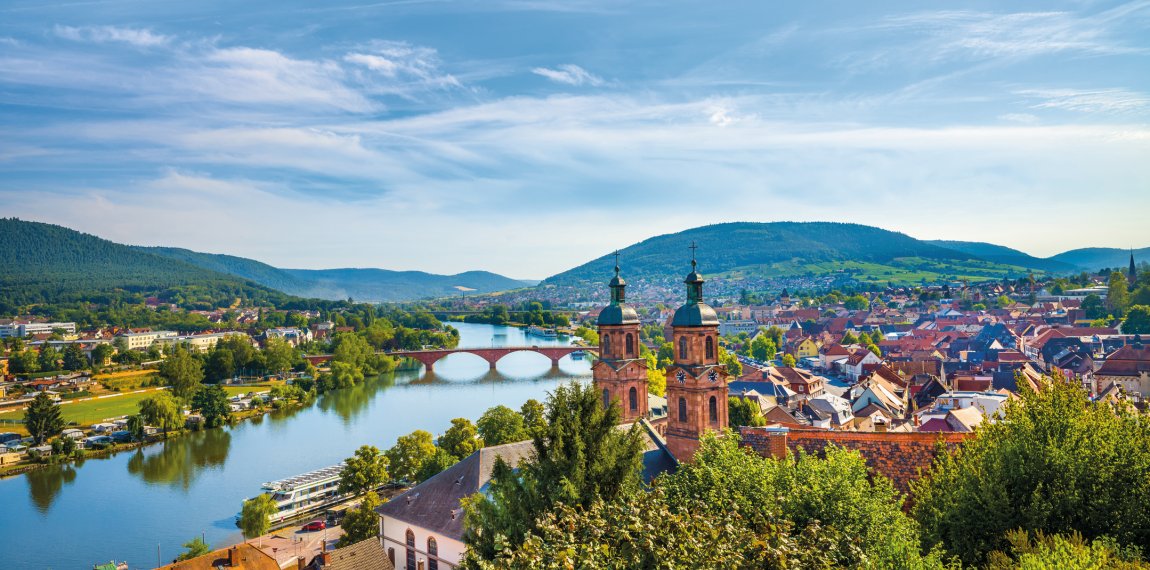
1133, 272
694, 281
618, 285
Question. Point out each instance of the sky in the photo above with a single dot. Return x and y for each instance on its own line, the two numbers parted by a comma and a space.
529, 136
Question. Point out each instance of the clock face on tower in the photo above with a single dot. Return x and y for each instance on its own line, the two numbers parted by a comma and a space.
682, 377
714, 376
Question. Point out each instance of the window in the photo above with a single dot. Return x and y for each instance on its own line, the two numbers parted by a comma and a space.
682, 409
630, 345
410, 550
710, 347
633, 395
432, 554
606, 345
606, 398
714, 408
682, 348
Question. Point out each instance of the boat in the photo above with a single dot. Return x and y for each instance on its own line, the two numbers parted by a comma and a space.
578, 355
310, 492
535, 330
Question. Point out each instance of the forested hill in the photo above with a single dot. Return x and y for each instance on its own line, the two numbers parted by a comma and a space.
44, 263
1095, 258
241, 267
1006, 255
767, 249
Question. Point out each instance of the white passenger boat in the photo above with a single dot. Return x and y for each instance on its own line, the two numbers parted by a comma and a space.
310, 492
534, 330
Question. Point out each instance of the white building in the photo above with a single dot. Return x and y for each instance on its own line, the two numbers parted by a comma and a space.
143, 340
734, 327
19, 329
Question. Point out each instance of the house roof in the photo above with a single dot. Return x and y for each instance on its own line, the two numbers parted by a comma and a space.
248, 557
1130, 360
364, 555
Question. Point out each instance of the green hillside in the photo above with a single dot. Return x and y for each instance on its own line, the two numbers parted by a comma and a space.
1006, 255
386, 285
241, 267
44, 263
750, 250
1095, 258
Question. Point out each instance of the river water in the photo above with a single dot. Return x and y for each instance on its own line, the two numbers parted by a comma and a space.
125, 506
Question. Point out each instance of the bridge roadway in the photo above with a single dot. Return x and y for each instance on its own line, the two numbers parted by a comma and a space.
492, 355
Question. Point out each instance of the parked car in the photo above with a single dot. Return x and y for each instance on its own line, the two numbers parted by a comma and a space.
314, 526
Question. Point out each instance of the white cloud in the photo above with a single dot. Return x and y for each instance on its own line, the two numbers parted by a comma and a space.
408, 68
1088, 101
105, 34
1024, 118
569, 74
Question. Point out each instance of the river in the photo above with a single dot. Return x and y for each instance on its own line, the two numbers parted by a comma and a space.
124, 506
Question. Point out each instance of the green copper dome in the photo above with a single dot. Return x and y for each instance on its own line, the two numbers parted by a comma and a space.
695, 312
617, 313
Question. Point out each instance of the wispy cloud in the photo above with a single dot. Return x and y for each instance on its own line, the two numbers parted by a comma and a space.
569, 74
1088, 101
105, 34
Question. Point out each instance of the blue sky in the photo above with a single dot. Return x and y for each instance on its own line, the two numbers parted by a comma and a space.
528, 136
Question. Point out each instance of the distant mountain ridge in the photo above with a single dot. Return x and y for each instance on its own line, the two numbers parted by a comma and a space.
1095, 258
1006, 255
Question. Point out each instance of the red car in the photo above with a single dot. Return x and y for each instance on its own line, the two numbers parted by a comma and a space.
314, 526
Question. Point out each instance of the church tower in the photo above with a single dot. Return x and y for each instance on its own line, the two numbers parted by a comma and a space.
696, 382
620, 374
1132, 273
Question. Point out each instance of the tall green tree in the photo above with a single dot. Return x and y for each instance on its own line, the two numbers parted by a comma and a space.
74, 358
461, 439
1057, 463
101, 353
500, 425
1137, 320
582, 457
744, 412
220, 366
183, 372
162, 411
136, 427
1118, 297
279, 355
763, 348
534, 415
194, 548
48, 359
43, 419
410, 452
1093, 306
364, 472
255, 517
362, 522
212, 402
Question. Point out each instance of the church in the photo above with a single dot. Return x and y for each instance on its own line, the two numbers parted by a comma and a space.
696, 381
422, 528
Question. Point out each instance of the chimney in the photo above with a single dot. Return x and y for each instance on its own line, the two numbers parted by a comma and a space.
300, 563
326, 557
234, 556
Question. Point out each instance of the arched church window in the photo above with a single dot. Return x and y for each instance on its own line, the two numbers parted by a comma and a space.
633, 395
710, 347
606, 345
630, 345
432, 554
410, 539
682, 409
682, 348
714, 408
606, 398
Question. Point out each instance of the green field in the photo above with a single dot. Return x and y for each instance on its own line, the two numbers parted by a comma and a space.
94, 411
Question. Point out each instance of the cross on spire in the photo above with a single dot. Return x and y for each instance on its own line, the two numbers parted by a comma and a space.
616, 263
693, 247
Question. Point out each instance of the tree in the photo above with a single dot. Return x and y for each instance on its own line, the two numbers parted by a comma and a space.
136, 427
438, 461
860, 514
789, 360
255, 517
500, 424
849, 338
410, 452
162, 411
1093, 306
43, 420
1003, 302
363, 472
744, 412
1137, 320
1064, 551
1057, 463
24, 362
220, 366
763, 348
734, 367
1118, 296
101, 353
196, 547
856, 303
581, 458
534, 415
656, 377
461, 439
49, 358
183, 372
212, 402
279, 354
74, 358
362, 522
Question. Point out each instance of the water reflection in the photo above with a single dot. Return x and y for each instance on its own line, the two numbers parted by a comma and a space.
179, 461
493, 377
45, 483
350, 403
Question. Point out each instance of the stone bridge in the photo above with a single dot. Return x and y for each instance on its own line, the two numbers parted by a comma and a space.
491, 355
